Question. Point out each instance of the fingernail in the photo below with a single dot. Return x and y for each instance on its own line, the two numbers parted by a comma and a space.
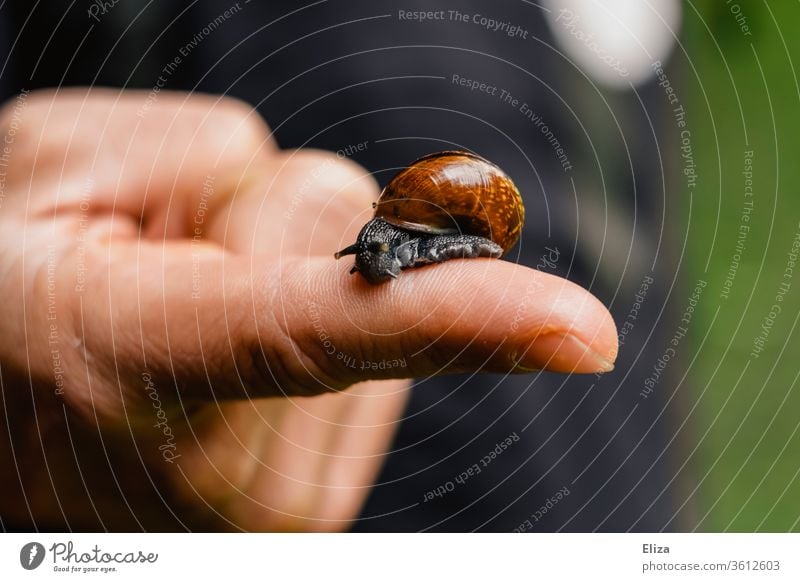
564, 353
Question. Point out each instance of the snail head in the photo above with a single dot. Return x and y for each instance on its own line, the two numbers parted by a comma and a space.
376, 252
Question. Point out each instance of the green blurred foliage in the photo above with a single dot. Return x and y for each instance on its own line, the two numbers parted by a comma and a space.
742, 94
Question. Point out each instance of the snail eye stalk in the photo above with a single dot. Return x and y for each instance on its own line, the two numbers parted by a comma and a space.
351, 250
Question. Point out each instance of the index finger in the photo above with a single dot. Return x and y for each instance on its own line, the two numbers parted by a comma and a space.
459, 316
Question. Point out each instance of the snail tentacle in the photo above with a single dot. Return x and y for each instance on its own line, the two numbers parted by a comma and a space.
351, 250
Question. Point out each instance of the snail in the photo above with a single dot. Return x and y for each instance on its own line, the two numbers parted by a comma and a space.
446, 205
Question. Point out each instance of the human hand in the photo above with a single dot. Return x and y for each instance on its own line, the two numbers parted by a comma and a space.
170, 293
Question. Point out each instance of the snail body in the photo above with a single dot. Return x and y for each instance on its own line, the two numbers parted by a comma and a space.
446, 205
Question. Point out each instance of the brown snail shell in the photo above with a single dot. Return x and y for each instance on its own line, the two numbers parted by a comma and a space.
446, 205
454, 191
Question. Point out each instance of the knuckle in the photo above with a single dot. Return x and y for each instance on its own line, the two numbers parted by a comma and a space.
235, 124
332, 176
244, 113
297, 367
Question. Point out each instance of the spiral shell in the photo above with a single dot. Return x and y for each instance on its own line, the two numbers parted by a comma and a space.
454, 192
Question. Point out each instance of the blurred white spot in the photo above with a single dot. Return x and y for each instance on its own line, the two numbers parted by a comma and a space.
615, 41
